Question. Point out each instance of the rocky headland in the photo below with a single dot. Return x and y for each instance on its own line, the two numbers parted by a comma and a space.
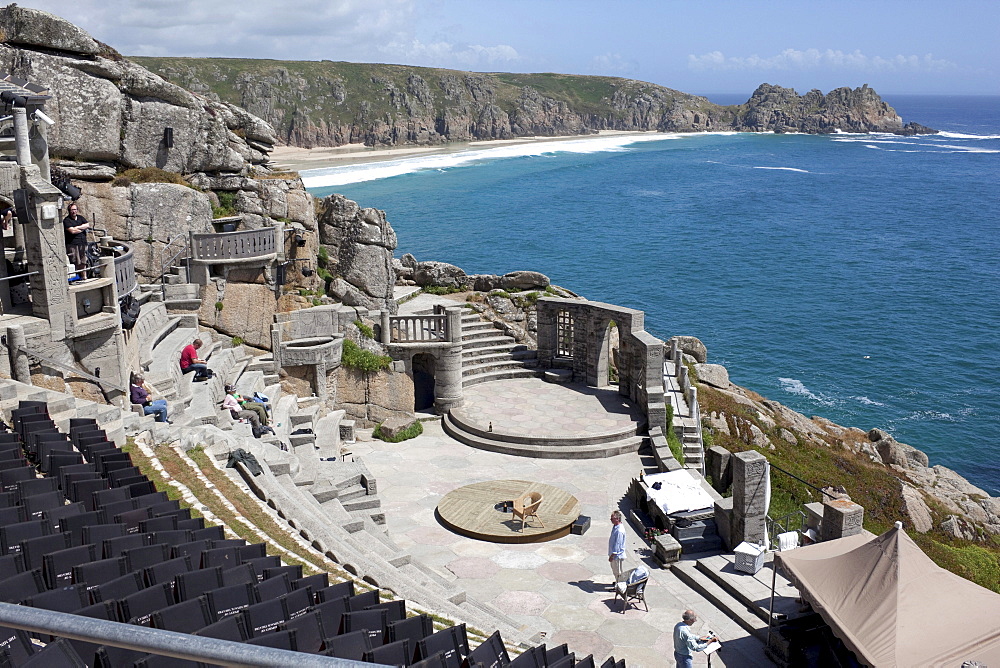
327, 103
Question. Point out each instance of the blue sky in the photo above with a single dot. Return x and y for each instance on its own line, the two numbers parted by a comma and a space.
700, 47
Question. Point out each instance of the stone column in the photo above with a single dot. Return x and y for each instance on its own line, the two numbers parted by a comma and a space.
448, 379
749, 471
545, 314
841, 517
717, 463
386, 335
19, 359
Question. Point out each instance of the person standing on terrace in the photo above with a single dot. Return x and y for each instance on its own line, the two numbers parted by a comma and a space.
75, 227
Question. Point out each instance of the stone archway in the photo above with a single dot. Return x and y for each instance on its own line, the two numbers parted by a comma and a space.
424, 366
607, 369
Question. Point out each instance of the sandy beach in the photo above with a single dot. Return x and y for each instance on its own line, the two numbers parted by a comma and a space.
293, 158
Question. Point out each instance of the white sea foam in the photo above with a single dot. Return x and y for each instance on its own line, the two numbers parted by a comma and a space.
787, 169
795, 386
959, 135
372, 171
868, 402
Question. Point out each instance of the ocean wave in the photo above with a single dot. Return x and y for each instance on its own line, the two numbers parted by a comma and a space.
787, 169
325, 177
795, 386
866, 401
927, 415
960, 135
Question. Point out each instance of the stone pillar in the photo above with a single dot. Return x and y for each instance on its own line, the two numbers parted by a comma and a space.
386, 335
749, 471
545, 314
717, 465
448, 379
19, 359
454, 316
21, 143
841, 517
38, 142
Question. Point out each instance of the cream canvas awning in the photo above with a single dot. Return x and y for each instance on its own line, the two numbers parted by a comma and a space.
892, 606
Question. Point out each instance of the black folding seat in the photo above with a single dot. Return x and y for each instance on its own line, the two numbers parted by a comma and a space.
120, 474
21, 586
315, 582
78, 423
261, 563
57, 461
10, 478
64, 599
59, 514
9, 437
229, 542
150, 500
297, 602
12, 463
363, 600
193, 523
273, 587
65, 471
108, 495
8, 499
294, 572
11, 565
75, 523
141, 488
12, 534
396, 610
57, 654
109, 656
103, 459
132, 519
264, 617
137, 607
252, 550
99, 572
227, 557
336, 590
490, 652
452, 641
278, 640
11, 450
309, 631
330, 612
13, 515
611, 663
164, 508
161, 661
34, 486
585, 662
209, 533
15, 646
156, 524
58, 566
395, 654
105, 610
166, 571
434, 661
116, 547
84, 438
126, 585
553, 654
227, 628
413, 629
98, 533
35, 506
91, 448
184, 617
115, 508
193, 549
242, 574
50, 446
196, 582
172, 538
84, 490
141, 558
226, 601
349, 645
568, 661
375, 621
130, 480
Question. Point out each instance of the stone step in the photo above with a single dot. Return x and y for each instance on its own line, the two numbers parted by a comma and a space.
183, 305
588, 451
753, 591
477, 325
698, 529
696, 545
505, 374
480, 355
499, 365
485, 342
687, 572
457, 419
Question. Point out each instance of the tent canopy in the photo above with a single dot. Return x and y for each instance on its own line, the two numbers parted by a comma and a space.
893, 606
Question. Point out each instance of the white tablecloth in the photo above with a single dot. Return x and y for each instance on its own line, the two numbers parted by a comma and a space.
679, 492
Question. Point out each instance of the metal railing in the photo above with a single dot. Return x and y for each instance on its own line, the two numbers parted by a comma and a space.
243, 245
416, 328
48, 361
793, 521
160, 642
169, 262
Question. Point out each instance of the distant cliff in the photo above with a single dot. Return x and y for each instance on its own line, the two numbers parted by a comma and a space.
328, 104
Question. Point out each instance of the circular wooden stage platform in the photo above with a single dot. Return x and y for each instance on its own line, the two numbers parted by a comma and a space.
471, 511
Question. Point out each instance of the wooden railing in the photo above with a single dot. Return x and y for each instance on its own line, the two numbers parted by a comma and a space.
238, 246
414, 328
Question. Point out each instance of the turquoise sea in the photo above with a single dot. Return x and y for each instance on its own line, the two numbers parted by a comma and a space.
856, 277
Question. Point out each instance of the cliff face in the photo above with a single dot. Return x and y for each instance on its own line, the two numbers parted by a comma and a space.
329, 104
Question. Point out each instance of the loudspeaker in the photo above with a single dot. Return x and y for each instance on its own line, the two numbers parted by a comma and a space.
581, 525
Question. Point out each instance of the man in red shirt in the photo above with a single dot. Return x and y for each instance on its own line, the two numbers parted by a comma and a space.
191, 362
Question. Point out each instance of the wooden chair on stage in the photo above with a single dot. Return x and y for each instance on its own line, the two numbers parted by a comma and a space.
526, 506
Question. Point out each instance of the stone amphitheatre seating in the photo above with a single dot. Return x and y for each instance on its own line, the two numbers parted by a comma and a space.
108, 546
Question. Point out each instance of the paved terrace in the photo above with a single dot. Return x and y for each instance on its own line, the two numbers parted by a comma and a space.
560, 588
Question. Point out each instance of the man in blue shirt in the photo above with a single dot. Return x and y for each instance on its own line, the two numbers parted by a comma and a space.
616, 546
686, 643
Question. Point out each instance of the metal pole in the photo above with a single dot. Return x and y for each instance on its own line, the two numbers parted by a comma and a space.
158, 641
770, 609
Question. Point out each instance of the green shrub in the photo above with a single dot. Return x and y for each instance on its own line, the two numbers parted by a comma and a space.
406, 434
365, 330
151, 175
675, 443
322, 257
237, 341
227, 205
500, 293
354, 356
442, 289
218, 306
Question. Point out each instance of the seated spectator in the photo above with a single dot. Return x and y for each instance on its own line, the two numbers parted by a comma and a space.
191, 362
140, 395
244, 410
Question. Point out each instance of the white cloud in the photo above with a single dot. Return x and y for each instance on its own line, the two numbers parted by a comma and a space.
445, 54
814, 59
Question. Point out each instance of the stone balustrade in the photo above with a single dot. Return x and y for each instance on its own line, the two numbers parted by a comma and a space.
418, 328
124, 267
230, 247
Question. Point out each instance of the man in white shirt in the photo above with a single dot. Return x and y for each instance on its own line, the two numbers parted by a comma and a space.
686, 643
616, 546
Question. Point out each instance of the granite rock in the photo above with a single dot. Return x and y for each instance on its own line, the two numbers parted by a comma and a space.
715, 375
691, 345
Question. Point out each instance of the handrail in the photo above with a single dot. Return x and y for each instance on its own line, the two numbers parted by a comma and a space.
103, 382
412, 328
165, 265
161, 642
214, 247
807, 484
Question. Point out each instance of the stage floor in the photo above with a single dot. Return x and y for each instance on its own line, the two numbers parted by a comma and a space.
471, 511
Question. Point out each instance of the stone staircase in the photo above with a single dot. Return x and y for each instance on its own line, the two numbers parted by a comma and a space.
488, 354
686, 425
